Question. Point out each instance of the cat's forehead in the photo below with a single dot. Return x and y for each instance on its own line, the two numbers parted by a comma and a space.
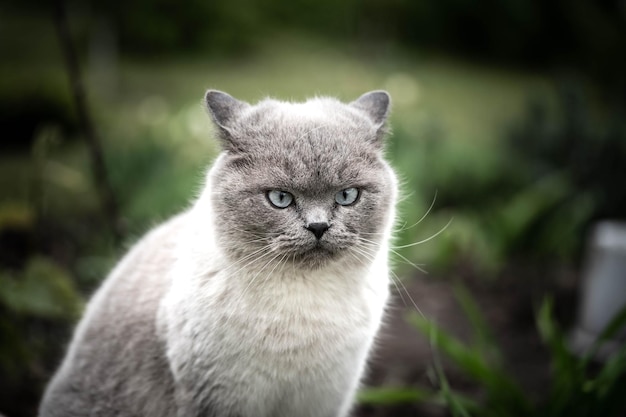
316, 145
313, 160
304, 116
307, 127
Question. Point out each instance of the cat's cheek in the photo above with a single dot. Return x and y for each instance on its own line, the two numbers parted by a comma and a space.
258, 214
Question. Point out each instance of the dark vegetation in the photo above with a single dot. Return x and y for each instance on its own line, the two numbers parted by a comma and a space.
524, 164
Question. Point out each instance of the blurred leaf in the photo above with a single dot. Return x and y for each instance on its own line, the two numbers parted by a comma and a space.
563, 359
458, 404
394, 396
16, 215
617, 323
502, 391
42, 289
575, 392
513, 220
484, 339
14, 351
609, 376
567, 375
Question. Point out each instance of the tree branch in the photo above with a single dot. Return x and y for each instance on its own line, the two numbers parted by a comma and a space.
105, 192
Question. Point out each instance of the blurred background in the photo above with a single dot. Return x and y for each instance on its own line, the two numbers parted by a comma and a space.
509, 133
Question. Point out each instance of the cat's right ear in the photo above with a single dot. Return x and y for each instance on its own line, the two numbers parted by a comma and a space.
224, 110
375, 105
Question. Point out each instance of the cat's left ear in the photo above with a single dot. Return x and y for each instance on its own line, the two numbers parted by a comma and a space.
225, 110
375, 105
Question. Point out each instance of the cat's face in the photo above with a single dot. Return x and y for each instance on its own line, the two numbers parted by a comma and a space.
303, 184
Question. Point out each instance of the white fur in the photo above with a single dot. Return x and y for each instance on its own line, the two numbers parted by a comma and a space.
282, 342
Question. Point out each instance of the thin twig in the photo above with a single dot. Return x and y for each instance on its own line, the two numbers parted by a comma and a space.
107, 197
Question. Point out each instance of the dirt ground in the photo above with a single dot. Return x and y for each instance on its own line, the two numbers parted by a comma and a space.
404, 356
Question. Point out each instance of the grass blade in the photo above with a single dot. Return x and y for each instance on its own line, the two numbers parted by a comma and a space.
502, 391
617, 323
395, 396
484, 340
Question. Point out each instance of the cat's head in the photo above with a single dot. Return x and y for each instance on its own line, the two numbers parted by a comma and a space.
302, 183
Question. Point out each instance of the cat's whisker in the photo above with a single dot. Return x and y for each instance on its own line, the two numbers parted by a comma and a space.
368, 256
406, 292
266, 235
251, 259
395, 284
362, 259
251, 281
372, 252
293, 264
394, 279
398, 254
370, 244
403, 227
432, 204
249, 242
405, 259
280, 261
257, 274
255, 233
239, 262
443, 229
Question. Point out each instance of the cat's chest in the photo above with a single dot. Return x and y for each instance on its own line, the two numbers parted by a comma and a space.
291, 314
276, 336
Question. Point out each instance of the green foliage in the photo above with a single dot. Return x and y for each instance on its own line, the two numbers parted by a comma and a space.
528, 33
590, 156
579, 387
24, 113
588, 34
535, 194
395, 396
41, 290
576, 389
154, 180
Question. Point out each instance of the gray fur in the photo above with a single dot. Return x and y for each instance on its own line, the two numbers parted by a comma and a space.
234, 308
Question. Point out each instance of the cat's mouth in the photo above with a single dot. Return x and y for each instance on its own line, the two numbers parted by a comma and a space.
317, 255
310, 252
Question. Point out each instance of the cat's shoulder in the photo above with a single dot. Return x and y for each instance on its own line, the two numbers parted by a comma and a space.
151, 254
163, 235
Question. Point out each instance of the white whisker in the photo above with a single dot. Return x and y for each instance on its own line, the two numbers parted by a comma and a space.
245, 290
432, 204
427, 239
408, 295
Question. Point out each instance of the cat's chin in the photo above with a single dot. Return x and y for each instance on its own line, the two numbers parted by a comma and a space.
316, 257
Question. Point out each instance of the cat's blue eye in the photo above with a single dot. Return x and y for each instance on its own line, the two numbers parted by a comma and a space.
279, 199
347, 196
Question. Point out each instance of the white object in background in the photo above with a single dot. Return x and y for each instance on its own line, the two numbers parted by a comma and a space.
604, 289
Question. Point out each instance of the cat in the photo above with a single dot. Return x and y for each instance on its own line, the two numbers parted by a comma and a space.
261, 300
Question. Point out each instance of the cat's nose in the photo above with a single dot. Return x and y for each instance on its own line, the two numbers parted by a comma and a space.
318, 229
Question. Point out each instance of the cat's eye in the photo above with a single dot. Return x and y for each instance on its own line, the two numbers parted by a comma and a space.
347, 196
279, 199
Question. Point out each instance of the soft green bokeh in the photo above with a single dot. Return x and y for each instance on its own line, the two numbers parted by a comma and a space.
492, 158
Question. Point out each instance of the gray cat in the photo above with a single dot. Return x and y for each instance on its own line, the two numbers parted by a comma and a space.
261, 300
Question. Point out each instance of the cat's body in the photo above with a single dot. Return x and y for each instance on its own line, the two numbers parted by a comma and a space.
264, 298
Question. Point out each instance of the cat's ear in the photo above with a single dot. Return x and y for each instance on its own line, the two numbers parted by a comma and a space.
224, 110
375, 105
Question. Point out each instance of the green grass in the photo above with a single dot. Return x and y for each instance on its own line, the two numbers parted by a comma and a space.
577, 386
